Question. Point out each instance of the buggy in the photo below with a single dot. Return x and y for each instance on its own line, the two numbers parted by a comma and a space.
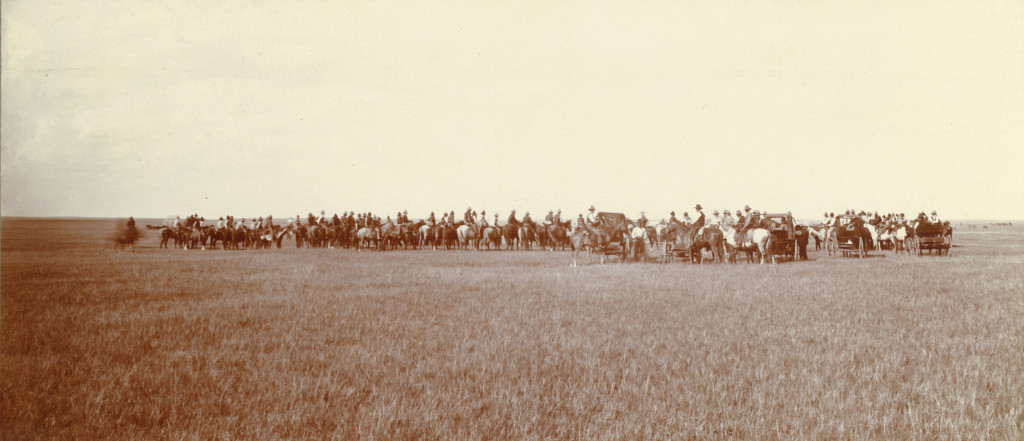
933, 237
849, 237
614, 224
780, 225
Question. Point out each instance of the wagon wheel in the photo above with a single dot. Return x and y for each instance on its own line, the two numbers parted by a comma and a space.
832, 245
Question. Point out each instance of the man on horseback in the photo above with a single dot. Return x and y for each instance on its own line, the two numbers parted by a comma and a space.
752, 221
672, 219
482, 225
468, 217
642, 222
431, 221
593, 223
558, 217
512, 218
527, 220
727, 220
934, 218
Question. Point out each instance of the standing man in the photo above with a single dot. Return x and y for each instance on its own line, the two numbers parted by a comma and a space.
638, 235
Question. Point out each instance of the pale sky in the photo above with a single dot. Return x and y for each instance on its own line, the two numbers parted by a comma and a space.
113, 108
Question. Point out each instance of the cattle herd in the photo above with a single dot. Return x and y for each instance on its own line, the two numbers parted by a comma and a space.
757, 234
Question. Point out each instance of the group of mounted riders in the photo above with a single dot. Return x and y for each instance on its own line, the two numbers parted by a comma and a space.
721, 233
889, 230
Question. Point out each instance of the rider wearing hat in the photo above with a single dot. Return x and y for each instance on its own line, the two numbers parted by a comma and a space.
483, 220
592, 219
699, 222
642, 222
431, 221
468, 217
727, 219
672, 218
715, 220
512, 218
752, 221
527, 220
934, 218
558, 217
700, 216
592, 222
550, 218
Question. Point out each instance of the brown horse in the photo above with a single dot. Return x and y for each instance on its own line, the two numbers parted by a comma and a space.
491, 235
511, 234
713, 239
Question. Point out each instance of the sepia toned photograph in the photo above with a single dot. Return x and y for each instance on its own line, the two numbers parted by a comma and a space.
497, 220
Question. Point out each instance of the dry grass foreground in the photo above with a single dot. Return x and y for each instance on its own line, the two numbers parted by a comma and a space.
333, 344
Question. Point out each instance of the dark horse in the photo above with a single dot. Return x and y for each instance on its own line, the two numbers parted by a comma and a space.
125, 238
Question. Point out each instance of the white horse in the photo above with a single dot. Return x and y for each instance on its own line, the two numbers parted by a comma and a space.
757, 239
425, 235
874, 235
467, 236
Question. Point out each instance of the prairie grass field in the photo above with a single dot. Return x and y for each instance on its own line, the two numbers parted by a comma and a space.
99, 344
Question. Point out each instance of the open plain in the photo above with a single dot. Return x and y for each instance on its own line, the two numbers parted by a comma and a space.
97, 343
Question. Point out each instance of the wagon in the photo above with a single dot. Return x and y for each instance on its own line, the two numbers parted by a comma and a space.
614, 224
780, 225
847, 238
933, 237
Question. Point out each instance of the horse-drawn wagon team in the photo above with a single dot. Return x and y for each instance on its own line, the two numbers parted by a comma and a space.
760, 235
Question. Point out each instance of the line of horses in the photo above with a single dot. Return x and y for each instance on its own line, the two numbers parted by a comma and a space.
724, 244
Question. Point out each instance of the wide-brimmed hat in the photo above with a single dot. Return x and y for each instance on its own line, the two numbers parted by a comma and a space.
592, 208
728, 212
673, 213
716, 212
559, 210
746, 207
698, 207
933, 212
